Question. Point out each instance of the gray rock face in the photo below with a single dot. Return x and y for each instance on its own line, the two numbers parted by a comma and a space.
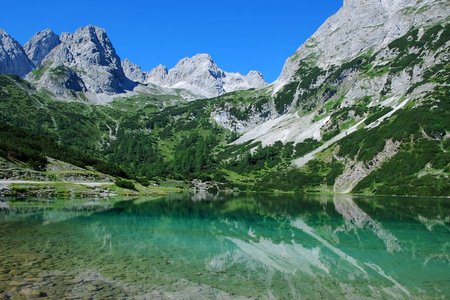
201, 75
198, 74
63, 82
133, 71
40, 45
237, 81
157, 75
13, 59
360, 26
88, 61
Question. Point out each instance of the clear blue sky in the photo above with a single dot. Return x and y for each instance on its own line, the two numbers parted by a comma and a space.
241, 35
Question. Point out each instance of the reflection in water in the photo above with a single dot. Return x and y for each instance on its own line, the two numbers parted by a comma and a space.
355, 218
308, 230
430, 223
261, 246
285, 258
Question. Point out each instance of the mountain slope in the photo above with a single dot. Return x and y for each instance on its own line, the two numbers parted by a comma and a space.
359, 27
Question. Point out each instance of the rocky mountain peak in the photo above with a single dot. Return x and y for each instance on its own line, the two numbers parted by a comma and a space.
198, 74
89, 54
360, 26
92, 45
200, 63
85, 61
203, 76
13, 59
157, 75
40, 45
160, 69
256, 78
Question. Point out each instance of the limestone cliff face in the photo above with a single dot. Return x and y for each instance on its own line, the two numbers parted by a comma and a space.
85, 65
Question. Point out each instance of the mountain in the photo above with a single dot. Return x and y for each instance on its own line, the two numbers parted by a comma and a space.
86, 63
13, 59
359, 27
362, 107
359, 52
371, 60
347, 94
40, 45
198, 74
158, 75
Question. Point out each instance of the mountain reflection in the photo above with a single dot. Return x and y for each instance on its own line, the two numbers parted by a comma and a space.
255, 245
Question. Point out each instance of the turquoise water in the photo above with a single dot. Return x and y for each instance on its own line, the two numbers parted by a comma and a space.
241, 246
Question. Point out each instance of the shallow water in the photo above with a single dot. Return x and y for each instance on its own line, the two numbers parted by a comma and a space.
243, 246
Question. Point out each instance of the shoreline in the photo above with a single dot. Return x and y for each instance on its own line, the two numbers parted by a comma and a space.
76, 189
84, 189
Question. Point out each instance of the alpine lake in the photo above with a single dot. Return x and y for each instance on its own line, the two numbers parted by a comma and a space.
257, 246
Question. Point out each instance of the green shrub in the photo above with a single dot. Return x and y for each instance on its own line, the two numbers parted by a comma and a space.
125, 184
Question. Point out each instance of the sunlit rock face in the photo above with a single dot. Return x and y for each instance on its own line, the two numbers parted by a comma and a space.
381, 51
40, 45
133, 71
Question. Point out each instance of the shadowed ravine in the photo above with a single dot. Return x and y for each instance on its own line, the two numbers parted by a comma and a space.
257, 246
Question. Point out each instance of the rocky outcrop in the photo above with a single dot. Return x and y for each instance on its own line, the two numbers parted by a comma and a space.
355, 171
40, 45
133, 71
14, 171
13, 59
62, 81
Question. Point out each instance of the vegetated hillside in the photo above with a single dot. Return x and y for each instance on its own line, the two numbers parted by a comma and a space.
389, 140
18, 145
377, 124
